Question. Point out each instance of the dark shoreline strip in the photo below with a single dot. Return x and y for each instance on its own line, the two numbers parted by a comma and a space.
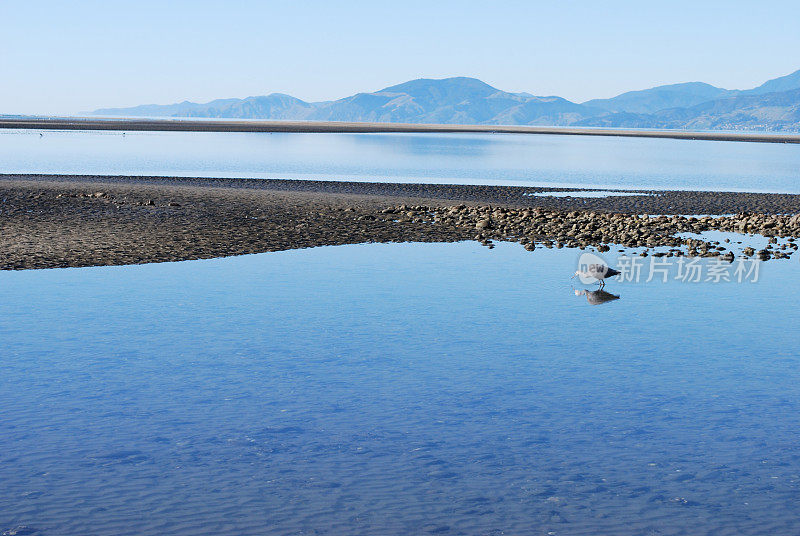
178, 125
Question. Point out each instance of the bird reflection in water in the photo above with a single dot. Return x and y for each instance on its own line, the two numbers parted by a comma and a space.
597, 297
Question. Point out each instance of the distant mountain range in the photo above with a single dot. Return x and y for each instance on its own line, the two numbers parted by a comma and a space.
774, 105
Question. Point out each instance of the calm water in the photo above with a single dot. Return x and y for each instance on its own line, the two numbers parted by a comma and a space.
566, 161
396, 389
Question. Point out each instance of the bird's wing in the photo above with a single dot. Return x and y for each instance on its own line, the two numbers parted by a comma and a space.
597, 269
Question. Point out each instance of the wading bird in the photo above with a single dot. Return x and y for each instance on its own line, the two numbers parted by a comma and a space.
601, 272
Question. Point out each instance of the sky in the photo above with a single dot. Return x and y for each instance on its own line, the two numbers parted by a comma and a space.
61, 57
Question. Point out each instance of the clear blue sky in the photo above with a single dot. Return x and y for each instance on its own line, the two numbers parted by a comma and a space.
68, 57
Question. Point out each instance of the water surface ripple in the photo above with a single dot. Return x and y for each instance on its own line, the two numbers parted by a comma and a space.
396, 389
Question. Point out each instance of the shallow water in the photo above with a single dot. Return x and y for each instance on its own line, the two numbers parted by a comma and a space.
510, 159
587, 193
396, 389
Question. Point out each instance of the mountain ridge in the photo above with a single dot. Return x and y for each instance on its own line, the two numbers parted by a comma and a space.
773, 105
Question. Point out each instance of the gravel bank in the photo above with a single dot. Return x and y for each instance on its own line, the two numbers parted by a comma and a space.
51, 221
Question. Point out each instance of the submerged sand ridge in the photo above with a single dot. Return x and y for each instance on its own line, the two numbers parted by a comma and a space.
49, 221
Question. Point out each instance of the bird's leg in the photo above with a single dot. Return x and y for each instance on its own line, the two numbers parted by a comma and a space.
602, 283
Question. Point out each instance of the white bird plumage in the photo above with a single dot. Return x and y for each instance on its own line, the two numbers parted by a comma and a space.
600, 272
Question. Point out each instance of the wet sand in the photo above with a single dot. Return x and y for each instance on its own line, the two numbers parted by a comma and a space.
49, 221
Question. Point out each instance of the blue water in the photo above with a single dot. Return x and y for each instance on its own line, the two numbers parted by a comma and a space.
511, 159
396, 389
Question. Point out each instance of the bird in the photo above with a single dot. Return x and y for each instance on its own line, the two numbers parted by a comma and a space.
597, 297
601, 272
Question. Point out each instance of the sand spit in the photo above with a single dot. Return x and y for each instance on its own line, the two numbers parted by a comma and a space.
51, 221
200, 125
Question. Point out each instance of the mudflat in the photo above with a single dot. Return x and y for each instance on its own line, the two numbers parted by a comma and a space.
49, 221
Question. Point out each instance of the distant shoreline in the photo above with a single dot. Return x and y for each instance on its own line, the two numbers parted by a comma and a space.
205, 125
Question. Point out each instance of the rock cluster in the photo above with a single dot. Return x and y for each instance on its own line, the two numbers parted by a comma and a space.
581, 229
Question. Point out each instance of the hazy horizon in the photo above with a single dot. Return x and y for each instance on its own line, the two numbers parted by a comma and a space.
69, 59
